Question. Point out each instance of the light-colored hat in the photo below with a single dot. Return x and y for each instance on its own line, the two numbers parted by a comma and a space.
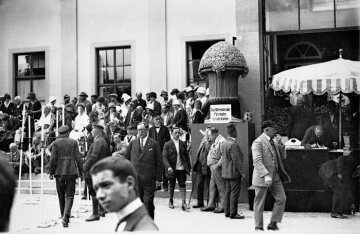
52, 98
176, 102
201, 90
125, 97
188, 89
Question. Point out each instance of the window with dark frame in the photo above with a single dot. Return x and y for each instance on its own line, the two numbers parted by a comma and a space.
29, 73
194, 52
114, 71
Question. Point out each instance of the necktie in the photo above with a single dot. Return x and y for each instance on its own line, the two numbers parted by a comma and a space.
141, 144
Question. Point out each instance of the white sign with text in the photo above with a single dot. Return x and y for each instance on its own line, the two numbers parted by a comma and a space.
220, 113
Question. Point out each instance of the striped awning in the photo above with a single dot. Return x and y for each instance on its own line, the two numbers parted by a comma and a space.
335, 76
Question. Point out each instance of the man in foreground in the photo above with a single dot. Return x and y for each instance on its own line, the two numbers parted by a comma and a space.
7, 192
269, 174
65, 164
115, 185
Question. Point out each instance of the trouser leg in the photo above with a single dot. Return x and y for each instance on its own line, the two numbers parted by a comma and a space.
278, 192
216, 173
148, 199
339, 195
227, 197
60, 189
259, 203
69, 196
172, 182
165, 179
200, 188
212, 192
181, 178
95, 203
234, 196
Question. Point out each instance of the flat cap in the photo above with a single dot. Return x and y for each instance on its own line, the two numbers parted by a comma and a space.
83, 94
63, 129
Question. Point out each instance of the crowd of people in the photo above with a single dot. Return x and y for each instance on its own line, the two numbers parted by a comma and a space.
127, 148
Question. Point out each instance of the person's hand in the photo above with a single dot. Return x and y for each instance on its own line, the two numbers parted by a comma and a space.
339, 176
51, 176
81, 176
158, 184
268, 180
313, 146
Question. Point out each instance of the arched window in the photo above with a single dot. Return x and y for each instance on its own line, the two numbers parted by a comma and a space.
302, 53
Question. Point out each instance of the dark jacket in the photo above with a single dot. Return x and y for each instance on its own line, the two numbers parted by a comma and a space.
180, 119
65, 157
10, 109
136, 118
147, 162
98, 150
170, 156
162, 137
201, 157
139, 220
157, 108
140, 102
199, 117
310, 138
233, 160
36, 106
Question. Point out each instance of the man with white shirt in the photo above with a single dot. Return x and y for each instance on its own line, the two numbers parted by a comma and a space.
177, 166
115, 184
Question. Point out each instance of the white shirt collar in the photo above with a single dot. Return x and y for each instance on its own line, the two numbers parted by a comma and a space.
145, 139
129, 208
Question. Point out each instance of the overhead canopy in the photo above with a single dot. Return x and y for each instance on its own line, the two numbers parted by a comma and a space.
339, 75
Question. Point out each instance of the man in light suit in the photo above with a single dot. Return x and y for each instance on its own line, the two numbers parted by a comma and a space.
232, 172
177, 165
115, 185
214, 161
144, 153
269, 174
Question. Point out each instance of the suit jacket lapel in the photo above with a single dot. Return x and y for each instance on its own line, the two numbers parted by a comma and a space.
133, 219
146, 147
268, 144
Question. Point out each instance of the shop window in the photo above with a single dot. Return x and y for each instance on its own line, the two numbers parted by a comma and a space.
195, 51
114, 71
30, 74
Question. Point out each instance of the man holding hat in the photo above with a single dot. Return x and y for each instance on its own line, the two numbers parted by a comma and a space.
180, 117
83, 99
269, 174
98, 150
133, 116
65, 166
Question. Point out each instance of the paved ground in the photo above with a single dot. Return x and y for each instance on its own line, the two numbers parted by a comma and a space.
26, 217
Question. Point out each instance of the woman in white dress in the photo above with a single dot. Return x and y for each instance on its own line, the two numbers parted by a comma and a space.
80, 123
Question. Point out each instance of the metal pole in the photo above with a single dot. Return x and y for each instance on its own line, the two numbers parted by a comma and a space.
340, 135
42, 156
21, 147
29, 155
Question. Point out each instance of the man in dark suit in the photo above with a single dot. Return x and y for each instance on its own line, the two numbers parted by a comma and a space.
98, 150
66, 166
314, 137
177, 165
116, 189
180, 117
232, 172
268, 174
160, 133
144, 153
133, 116
139, 101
